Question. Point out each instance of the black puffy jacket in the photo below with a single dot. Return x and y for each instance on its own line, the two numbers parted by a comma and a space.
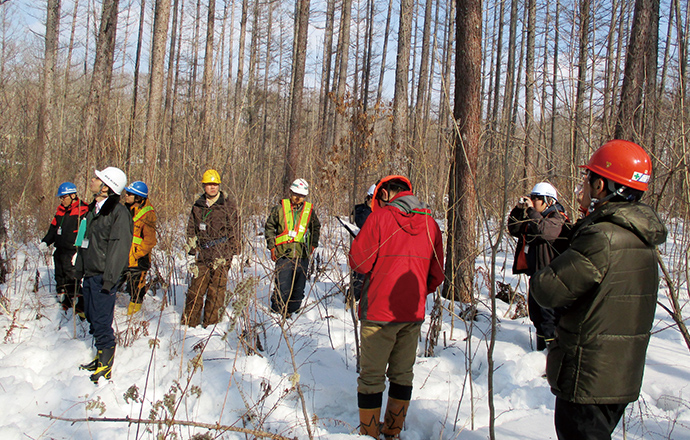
608, 279
109, 235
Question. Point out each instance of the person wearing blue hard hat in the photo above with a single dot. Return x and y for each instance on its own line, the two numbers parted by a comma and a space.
143, 241
62, 233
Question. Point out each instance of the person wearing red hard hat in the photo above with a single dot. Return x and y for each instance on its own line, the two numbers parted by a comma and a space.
400, 249
606, 283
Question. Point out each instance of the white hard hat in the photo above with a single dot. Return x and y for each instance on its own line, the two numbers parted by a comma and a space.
300, 186
544, 189
114, 178
370, 191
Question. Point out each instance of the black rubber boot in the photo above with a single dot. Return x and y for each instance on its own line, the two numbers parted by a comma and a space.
91, 366
105, 364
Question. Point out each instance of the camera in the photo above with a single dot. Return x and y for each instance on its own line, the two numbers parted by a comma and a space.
523, 200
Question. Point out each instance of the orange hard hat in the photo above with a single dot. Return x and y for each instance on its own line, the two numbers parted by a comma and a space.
380, 183
622, 162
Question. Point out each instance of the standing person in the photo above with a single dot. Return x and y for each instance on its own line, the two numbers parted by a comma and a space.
400, 249
102, 256
292, 232
608, 280
538, 222
213, 236
143, 241
62, 233
362, 212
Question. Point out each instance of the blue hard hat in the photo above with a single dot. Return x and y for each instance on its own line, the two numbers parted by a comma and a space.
66, 188
138, 188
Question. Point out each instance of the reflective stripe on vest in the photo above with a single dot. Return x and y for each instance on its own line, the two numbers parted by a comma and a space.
294, 232
136, 239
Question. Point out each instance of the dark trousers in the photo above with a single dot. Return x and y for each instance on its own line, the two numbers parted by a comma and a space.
545, 321
210, 283
575, 421
66, 280
356, 284
99, 308
136, 283
291, 277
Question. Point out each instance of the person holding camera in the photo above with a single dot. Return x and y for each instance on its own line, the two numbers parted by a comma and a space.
540, 224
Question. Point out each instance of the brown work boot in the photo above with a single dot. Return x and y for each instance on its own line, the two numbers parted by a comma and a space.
394, 418
369, 423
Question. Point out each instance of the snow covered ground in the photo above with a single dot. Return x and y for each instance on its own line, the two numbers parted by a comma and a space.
305, 365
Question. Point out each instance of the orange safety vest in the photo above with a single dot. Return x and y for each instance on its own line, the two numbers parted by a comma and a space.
294, 232
137, 239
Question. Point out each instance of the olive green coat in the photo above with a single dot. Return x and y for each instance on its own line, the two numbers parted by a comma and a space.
275, 225
607, 280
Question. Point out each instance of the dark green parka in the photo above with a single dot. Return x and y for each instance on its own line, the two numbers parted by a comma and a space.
608, 280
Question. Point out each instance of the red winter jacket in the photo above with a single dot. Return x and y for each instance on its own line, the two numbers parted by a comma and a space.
401, 250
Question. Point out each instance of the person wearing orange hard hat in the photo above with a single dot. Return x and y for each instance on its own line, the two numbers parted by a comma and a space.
606, 285
400, 250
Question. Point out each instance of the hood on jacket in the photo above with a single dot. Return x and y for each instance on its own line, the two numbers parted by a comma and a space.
409, 212
636, 217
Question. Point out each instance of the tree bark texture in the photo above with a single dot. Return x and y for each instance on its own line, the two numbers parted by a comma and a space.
462, 203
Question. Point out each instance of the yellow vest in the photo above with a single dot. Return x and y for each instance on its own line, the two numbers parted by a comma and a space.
294, 232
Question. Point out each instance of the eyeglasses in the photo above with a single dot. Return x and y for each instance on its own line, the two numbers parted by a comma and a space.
63, 197
535, 197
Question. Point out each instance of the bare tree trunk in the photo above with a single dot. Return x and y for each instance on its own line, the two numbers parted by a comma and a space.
324, 100
299, 57
634, 74
384, 51
239, 89
400, 104
152, 133
169, 80
135, 87
530, 168
576, 129
95, 114
608, 77
46, 107
462, 203
554, 96
342, 59
423, 81
206, 92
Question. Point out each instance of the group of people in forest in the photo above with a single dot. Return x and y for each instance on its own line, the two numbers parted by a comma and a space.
592, 289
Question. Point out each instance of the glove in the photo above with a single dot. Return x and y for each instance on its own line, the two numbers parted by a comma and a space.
43, 247
236, 263
273, 254
191, 265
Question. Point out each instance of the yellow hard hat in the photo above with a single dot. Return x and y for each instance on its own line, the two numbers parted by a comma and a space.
211, 176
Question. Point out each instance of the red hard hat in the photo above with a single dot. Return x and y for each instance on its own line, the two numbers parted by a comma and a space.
374, 205
622, 162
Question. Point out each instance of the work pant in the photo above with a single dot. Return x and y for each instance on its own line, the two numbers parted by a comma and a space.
66, 280
99, 308
291, 277
387, 349
575, 421
136, 283
210, 283
545, 321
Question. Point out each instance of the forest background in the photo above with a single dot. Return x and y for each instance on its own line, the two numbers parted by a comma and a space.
474, 101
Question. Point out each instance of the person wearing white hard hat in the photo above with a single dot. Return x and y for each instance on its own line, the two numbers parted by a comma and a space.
292, 232
103, 241
361, 213
540, 224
